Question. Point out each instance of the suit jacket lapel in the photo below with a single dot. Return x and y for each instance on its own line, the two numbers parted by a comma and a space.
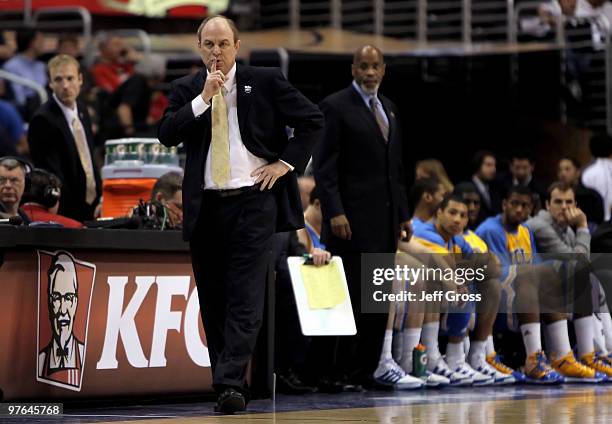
63, 125
243, 97
367, 114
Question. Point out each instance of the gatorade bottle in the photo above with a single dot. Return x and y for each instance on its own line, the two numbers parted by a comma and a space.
419, 361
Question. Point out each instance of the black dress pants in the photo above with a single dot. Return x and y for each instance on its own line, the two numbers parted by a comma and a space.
230, 252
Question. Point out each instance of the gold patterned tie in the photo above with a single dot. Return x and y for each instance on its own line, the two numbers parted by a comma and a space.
220, 163
81, 144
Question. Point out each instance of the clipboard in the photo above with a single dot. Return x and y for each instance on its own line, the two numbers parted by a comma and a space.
333, 321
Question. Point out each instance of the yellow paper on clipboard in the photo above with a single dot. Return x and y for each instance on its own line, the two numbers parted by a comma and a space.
324, 289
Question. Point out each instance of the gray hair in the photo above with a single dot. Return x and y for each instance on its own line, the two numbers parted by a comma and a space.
152, 66
11, 163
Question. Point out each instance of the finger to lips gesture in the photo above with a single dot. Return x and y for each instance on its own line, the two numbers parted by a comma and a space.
268, 174
214, 82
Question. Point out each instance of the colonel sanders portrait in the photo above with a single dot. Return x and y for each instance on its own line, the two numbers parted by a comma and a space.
62, 358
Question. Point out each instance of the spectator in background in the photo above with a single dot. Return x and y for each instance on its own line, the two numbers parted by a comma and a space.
598, 175
41, 201
433, 168
137, 104
589, 200
485, 168
550, 11
114, 67
522, 165
12, 131
69, 44
7, 49
30, 45
168, 191
61, 141
12, 184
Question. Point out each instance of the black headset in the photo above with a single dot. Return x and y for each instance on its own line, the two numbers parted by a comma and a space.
49, 193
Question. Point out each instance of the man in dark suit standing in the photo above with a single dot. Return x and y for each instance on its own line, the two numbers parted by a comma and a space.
358, 170
61, 141
522, 166
239, 188
484, 166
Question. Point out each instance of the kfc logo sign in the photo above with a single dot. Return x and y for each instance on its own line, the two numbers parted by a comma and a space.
65, 288
121, 322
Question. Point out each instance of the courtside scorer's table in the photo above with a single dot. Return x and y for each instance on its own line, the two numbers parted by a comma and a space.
130, 327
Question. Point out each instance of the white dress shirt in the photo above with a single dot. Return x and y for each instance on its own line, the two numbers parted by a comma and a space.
367, 97
70, 115
242, 161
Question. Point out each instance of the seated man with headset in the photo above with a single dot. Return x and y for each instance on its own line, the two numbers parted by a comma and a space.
40, 200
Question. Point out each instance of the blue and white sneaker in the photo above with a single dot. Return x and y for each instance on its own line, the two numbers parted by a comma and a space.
440, 367
461, 367
480, 364
434, 381
389, 373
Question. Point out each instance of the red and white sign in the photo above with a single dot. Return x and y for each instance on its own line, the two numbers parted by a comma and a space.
100, 323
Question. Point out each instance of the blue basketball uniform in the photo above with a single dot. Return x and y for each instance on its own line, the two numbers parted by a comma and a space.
512, 248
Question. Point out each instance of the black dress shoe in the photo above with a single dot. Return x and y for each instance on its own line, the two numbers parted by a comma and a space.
327, 385
230, 401
289, 383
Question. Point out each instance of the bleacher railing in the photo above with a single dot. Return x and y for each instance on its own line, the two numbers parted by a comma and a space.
16, 79
585, 61
423, 20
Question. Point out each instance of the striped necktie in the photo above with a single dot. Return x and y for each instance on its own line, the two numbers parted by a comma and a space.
380, 119
85, 158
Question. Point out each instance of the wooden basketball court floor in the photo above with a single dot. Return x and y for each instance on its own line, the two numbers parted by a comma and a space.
568, 404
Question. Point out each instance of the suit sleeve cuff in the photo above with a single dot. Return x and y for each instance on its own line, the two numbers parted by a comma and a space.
291, 168
199, 106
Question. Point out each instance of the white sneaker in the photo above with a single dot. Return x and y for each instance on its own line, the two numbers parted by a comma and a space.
440, 367
434, 381
480, 364
461, 367
388, 373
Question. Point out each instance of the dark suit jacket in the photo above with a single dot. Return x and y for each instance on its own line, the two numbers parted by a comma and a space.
360, 175
537, 187
267, 104
52, 147
494, 195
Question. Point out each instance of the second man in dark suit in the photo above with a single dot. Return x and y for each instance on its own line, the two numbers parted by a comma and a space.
358, 170
61, 141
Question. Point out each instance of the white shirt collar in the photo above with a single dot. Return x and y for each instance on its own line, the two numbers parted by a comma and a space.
231, 78
365, 96
69, 114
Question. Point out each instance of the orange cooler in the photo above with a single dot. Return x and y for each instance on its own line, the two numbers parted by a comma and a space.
132, 165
